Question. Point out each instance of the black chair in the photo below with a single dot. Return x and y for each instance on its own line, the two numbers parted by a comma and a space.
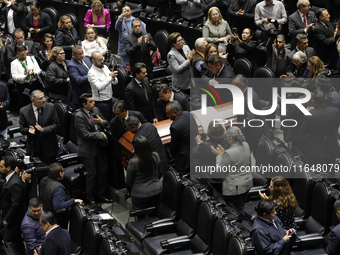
201, 242
64, 113
123, 80
54, 17
243, 66
74, 19
169, 207
102, 31
107, 247
221, 238
237, 246
78, 220
162, 42
185, 225
263, 72
92, 238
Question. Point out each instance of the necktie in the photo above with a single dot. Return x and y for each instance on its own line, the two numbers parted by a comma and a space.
304, 21
145, 91
82, 62
124, 123
40, 115
91, 116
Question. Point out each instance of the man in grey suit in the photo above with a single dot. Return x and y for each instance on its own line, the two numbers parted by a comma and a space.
302, 45
92, 145
301, 21
39, 121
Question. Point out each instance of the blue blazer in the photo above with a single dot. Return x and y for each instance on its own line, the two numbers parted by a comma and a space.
78, 75
58, 241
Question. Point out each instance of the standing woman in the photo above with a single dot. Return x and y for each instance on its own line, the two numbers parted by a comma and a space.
92, 42
216, 29
57, 79
143, 175
38, 23
236, 185
97, 15
66, 35
47, 43
15, 15
179, 58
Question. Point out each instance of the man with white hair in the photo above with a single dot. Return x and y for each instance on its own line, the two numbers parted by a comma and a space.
299, 68
198, 57
301, 21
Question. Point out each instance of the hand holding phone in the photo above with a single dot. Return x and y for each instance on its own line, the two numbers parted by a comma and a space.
292, 233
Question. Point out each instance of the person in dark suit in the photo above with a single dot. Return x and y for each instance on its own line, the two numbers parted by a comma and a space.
43, 26
301, 21
55, 196
321, 128
77, 69
166, 96
150, 132
325, 37
183, 130
92, 145
118, 128
333, 247
57, 241
4, 104
241, 14
138, 94
19, 38
15, 12
302, 45
218, 69
12, 204
138, 46
39, 121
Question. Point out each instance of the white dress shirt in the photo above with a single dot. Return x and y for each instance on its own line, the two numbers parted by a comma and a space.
18, 71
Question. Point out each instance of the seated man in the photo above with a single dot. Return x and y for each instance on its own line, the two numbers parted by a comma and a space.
54, 195
34, 236
166, 96
267, 233
299, 69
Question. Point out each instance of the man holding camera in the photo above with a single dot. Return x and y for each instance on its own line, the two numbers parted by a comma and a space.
138, 46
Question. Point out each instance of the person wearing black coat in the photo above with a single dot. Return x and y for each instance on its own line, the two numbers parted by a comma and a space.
44, 22
241, 13
66, 35
4, 104
18, 18
57, 79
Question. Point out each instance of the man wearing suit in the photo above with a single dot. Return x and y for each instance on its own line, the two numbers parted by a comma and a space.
302, 45
321, 128
183, 130
166, 96
301, 21
138, 46
4, 104
57, 241
118, 128
218, 69
325, 38
19, 38
77, 69
138, 94
241, 13
12, 204
198, 58
39, 121
150, 132
18, 11
92, 146
333, 247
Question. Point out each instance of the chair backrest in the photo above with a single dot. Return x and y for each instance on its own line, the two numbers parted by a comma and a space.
64, 113
243, 66
123, 80
54, 17
107, 247
161, 40
237, 246
189, 209
73, 134
74, 19
263, 72
266, 152
92, 238
206, 219
101, 30
171, 196
221, 237
77, 223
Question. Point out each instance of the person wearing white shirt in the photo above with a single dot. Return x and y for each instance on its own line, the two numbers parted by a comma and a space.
92, 42
101, 80
25, 70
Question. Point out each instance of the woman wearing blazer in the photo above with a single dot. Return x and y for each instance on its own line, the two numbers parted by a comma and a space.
179, 58
38, 23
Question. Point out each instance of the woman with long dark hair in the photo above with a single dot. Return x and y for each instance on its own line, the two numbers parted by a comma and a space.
47, 43
143, 175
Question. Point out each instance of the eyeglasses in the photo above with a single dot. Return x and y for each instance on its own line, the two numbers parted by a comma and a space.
61, 53
215, 14
180, 40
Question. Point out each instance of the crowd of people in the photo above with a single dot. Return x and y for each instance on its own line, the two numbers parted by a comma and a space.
60, 66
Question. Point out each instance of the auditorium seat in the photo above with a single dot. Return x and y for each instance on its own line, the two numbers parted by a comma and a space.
237, 246
78, 220
263, 72
54, 17
243, 66
169, 207
123, 80
92, 238
221, 237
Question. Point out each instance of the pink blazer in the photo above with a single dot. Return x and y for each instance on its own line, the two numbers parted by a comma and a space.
88, 20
